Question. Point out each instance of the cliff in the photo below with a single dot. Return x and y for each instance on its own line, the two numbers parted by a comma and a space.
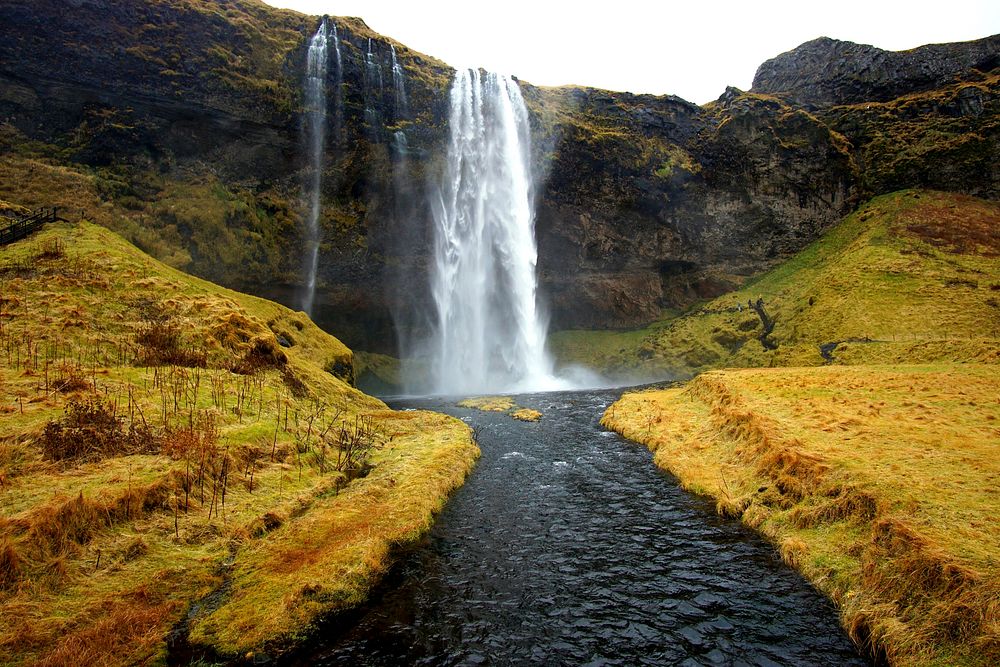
825, 72
179, 125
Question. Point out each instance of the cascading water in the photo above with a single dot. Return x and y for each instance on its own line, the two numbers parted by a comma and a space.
399, 86
315, 134
373, 96
374, 67
488, 336
339, 81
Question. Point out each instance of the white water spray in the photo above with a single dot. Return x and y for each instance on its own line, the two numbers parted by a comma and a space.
399, 86
338, 85
373, 90
315, 134
374, 68
489, 336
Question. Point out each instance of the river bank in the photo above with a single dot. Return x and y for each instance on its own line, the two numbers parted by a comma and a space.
565, 546
880, 484
182, 462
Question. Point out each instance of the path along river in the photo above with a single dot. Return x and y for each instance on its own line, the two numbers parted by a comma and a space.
567, 546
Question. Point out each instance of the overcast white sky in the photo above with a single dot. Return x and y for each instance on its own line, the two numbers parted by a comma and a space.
693, 48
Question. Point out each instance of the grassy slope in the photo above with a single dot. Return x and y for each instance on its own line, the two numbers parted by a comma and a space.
877, 478
915, 272
99, 560
880, 483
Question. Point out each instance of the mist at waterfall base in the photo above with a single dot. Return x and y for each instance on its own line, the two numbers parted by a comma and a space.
488, 333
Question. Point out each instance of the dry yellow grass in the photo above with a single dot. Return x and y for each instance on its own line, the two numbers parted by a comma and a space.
101, 557
881, 484
330, 558
489, 403
526, 415
503, 404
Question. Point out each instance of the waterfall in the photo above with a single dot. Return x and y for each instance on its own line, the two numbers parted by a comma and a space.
488, 334
339, 86
373, 76
373, 68
399, 87
315, 131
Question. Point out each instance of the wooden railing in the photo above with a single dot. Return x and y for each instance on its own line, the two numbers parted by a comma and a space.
21, 227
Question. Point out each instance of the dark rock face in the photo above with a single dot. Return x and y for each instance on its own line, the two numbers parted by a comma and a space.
926, 117
690, 201
826, 71
186, 119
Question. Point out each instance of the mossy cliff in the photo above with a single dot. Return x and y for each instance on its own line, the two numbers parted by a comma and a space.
178, 124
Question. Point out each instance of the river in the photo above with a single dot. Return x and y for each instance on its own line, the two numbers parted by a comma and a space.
567, 546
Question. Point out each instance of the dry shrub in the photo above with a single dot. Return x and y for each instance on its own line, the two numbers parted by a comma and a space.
355, 445
70, 379
207, 466
90, 431
263, 354
193, 439
51, 248
159, 343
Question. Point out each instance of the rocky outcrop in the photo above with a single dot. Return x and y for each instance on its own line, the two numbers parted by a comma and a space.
691, 201
825, 72
183, 118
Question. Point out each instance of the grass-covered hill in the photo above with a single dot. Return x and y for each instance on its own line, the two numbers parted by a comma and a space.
909, 277
176, 457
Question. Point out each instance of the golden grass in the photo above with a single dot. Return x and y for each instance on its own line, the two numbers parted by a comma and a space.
881, 484
329, 559
489, 403
100, 557
503, 404
526, 415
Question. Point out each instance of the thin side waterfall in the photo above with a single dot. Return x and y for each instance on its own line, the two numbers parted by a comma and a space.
315, 135
339, 83
374, 68
399, 87
373, 91
489, 335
